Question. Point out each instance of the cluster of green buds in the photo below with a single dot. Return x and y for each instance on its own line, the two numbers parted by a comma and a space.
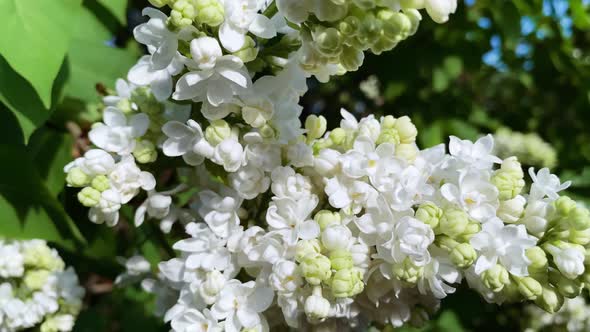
345, 29
559, 268
328, 263
453, 229
400, 132
188, 12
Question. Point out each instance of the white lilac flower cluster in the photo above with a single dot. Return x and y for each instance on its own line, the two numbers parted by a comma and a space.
574, 316
35, 288
295, 226
529, 148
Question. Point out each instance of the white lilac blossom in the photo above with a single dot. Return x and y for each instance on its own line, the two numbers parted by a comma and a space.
289, 225
36, 288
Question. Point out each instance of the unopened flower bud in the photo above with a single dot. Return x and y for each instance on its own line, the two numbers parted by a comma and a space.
100, 183
453, 222
306, 247
463, 255
569, 258
145, 152
406, 129
529, 288
495, 278
445, 242
325, 218
209, 12
89, 197
347, 283
315, 268
336, 237
267, 131
35, 280
341, 259
77, 178
511, 210
217, 132
579, 218
429, 214
249, 51
537, 257
566, 287
407, 271
388, 135
406, 151
550, 300
351, 58
581, 237
315, 126
509, 185
564, 205
182, 14
316, 308
328, 41
412, 4
349, 26
158, 3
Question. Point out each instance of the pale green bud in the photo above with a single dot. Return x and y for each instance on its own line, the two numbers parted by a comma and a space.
388, 135
347, 283
406, 151
328, 41
209, 12
579, 237
429, 214
36, 279
550, 300
267, 131
495, 278
406, 129
89, 196
306, 247
566, 287
182, 14
315, 126
387, 122
509, 179
538, 258
249, 51
579, 218
100, 183
217, 132
453, 222
351, 58
397, 27
158, 3
325, 218
77, 178
564, 205
445, 242
364, 4
341, 259
145, 152
349, 26
321, 144
415, 19
413, 4
370, 30
471, 229
42, 257
407, 271
316, 308
338, 136
529, 288
316, 268
463, 255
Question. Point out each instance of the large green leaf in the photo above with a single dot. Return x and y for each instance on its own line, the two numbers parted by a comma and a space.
51, 151
35, 39
92, 63
118, 8
18, 95
27, 208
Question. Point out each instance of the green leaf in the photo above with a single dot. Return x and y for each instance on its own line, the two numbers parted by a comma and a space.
18, 95
10, 131
580, 14
92, 63
27, 208
116, 7
51, 151
36, 38
431, 135
448, 322
453, 66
